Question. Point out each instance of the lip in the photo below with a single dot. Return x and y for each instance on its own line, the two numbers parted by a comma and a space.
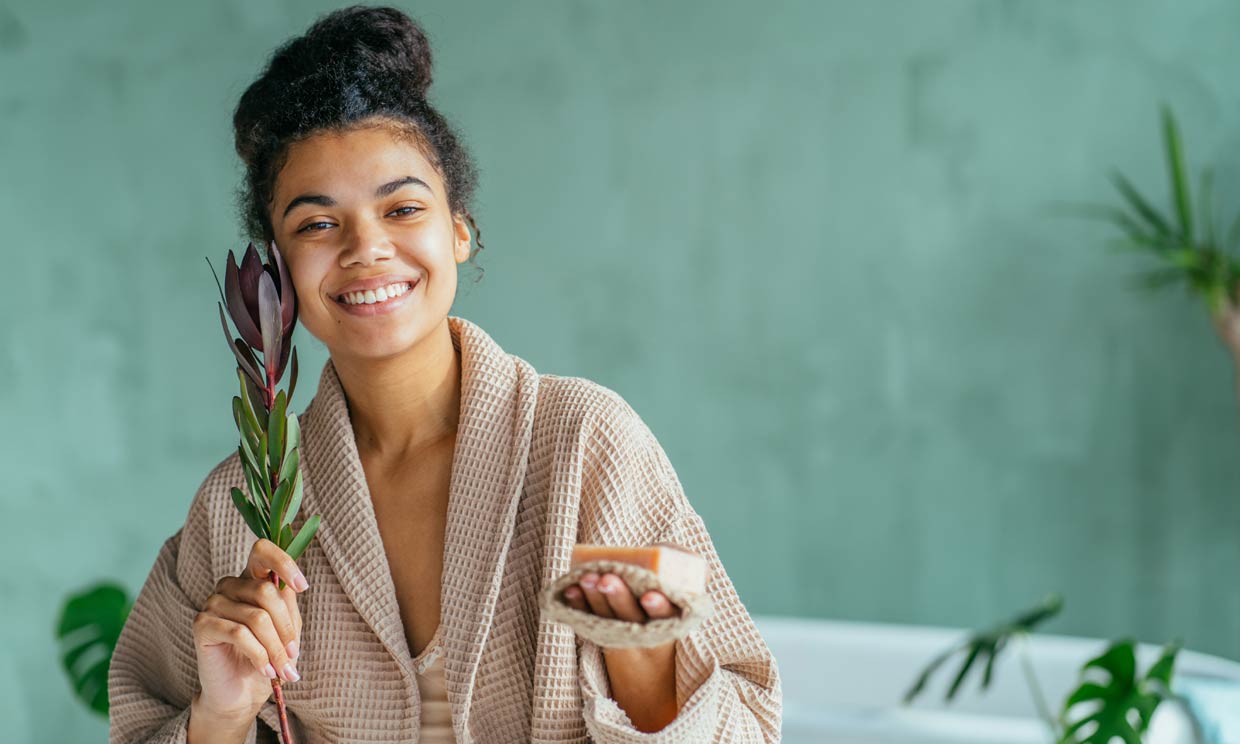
379, 308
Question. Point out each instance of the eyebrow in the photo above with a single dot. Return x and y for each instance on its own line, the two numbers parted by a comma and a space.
326, 201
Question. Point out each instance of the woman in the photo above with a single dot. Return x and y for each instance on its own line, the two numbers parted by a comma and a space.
453, 479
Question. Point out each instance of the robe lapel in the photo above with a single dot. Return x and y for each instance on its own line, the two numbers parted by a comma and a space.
498, 393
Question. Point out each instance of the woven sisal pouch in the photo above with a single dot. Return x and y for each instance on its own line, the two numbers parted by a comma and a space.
614, 633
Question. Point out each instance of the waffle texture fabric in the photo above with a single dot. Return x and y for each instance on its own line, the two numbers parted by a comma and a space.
541, 462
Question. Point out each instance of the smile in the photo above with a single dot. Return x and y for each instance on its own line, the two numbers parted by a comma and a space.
377, 301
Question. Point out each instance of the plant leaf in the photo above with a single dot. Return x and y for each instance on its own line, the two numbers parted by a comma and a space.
292, 433
241, 360
986, 644
258, 404
279, 504
237, 310
248, 512
269, 319
1123, 693
292, 379
87, 629
258, 493
277, 423
1175, 169
292, 458
1141, 206
294, 502
303, 538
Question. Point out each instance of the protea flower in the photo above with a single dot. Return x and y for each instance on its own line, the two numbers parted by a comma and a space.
263, 307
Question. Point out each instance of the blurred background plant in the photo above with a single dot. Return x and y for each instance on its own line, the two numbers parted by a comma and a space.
1188, 243
1112, 701
90, 622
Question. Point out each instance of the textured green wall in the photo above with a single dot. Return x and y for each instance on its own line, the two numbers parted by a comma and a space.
807, 241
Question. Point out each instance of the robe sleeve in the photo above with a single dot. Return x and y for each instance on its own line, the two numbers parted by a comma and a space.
727, 682
153, 674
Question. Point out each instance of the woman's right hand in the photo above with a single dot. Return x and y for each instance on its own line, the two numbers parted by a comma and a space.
247, 635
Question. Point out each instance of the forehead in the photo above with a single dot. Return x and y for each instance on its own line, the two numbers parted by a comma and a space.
352, 161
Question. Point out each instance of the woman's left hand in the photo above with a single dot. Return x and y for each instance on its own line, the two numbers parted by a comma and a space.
608, 596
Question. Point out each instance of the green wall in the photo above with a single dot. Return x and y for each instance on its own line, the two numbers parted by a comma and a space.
809, 242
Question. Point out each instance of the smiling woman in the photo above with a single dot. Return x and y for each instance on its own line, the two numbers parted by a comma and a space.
453, 479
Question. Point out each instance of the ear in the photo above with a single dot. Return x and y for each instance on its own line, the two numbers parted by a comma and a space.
464, 242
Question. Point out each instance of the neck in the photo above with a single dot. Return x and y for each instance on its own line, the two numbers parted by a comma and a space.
403, 404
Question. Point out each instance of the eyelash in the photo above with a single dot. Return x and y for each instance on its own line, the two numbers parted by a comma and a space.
312, 224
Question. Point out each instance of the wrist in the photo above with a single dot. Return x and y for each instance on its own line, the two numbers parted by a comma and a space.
207, 726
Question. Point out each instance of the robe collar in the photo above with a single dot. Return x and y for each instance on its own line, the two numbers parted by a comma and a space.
498, 392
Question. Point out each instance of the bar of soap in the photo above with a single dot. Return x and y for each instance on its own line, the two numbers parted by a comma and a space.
677, 569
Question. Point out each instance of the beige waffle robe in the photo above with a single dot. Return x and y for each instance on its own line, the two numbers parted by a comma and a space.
541, 462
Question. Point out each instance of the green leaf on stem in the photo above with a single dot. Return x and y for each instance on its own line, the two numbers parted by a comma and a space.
292, 459
247, 458
254, 405
279, 503
304, 535
1141, 206
89, 625
294, 501
1175, 169
292, 434
286, 536
987, 644
276, 426
258, 492
248, 512
1123, 706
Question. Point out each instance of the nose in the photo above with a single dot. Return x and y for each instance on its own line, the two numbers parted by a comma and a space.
365, 243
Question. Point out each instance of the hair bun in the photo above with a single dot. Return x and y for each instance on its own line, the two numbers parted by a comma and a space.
360, 37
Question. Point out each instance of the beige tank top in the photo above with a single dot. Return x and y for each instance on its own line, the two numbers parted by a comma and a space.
436, 727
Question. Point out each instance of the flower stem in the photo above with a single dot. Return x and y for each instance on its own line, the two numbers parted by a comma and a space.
285, 732
1039, 700
276, 688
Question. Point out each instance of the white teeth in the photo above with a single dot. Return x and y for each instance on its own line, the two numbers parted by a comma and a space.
371, 297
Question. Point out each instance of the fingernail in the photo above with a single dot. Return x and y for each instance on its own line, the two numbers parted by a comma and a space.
606, 587
292, 649
300, 583
587, 581
290, 673
270, 671
650, 601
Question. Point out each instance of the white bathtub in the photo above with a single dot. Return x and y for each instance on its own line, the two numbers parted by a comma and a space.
843, 681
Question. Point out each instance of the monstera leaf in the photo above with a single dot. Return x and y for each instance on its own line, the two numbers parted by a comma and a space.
89, 624
985, 646
1122, 706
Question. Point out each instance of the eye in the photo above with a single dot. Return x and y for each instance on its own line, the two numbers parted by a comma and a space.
312, 224
402, 210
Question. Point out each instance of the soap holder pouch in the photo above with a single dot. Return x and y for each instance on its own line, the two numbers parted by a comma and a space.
609, 632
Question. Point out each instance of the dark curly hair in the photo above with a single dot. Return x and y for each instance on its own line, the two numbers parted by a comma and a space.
355, 66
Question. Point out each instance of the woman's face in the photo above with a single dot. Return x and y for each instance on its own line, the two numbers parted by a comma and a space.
362, 210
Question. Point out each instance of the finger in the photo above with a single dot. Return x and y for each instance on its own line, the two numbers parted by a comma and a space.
620, 597
596, 600
266, 557
212, 630
658, 605
260, 624
576, 598
280, 604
